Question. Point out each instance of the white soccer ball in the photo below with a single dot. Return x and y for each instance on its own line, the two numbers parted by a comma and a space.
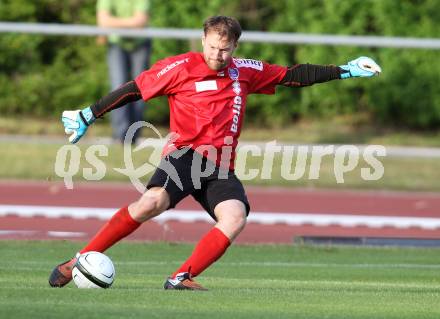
93, 270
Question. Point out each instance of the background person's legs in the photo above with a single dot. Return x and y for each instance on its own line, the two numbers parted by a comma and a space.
117, 61
139, 61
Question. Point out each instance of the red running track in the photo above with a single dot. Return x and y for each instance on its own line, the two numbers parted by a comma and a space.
280, 200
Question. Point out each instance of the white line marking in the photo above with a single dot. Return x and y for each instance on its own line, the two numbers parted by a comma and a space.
288, 264
349, 283
251, 263
64, 234
61, 234
265, 218
17, 232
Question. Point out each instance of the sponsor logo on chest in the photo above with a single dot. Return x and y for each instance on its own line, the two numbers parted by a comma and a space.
236, 108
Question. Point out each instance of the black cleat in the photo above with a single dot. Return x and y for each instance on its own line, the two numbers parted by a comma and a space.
62, 274
182, 281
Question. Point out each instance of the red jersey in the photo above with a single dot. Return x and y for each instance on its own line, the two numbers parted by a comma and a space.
206, 106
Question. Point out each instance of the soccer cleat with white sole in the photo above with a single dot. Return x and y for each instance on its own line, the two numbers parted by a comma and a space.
62, 274
182, 281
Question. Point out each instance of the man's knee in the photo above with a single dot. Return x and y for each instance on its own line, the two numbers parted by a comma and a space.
236, 218
152, 203
231, 217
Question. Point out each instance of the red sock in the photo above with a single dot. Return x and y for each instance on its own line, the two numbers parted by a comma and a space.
210, 248
119, 226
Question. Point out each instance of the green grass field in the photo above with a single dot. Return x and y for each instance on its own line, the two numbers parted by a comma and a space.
248, 282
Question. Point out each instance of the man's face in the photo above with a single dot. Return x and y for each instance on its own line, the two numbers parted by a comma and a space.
217, 50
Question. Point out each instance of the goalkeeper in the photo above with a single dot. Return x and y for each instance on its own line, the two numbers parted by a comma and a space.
207, 94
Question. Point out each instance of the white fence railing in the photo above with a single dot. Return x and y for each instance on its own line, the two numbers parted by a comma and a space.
248, 36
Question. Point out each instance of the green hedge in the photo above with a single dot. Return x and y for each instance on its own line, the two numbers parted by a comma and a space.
43, 75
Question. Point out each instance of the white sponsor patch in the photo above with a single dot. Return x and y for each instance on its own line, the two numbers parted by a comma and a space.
206, 86
249, 63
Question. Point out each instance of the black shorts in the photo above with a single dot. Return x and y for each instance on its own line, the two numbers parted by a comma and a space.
193, 174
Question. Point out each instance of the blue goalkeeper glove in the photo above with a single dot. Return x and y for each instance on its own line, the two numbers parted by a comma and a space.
76, 123
361, 67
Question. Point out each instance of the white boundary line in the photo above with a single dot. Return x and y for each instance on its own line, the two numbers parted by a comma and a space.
140, 263
265, 218
50, 233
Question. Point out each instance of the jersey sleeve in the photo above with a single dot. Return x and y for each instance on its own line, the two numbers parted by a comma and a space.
265, 80
161, 79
